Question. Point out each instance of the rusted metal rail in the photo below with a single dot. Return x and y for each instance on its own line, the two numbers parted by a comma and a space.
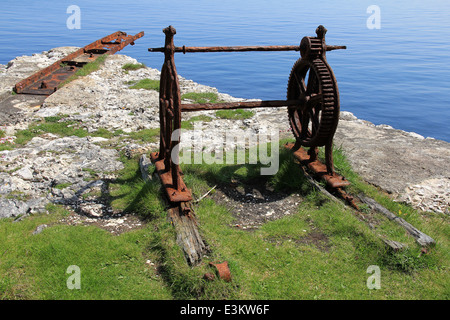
238, 105
185, 49
47, 80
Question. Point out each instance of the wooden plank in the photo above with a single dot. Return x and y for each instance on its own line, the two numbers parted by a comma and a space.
188, 236
421, 238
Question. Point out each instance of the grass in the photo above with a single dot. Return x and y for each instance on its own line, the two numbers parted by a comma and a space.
147, 84
62, 126
189, 124
201, 97
133, 66
276, 261
34, 266
62, 185
238, 114
145, 135
212, 97
85, 70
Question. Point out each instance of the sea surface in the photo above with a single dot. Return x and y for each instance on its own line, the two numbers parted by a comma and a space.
397, 74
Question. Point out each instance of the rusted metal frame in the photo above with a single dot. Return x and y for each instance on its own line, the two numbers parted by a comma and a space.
120, 41
171, 108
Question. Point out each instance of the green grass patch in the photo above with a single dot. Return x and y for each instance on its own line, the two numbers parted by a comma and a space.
131, 194
55, 125
58, 125
112, 267
238, 114
62, 185
201, 97
189, 124
145, 135
147, 84
6, 143
133, 66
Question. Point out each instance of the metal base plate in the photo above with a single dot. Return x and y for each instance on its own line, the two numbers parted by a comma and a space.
319, 169
174, 195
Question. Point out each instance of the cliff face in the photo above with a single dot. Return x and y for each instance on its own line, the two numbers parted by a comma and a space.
51, 168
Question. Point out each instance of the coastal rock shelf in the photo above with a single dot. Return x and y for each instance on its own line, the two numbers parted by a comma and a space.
50, 168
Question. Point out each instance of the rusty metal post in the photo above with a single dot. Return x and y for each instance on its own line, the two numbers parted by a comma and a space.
170, 110
167, 160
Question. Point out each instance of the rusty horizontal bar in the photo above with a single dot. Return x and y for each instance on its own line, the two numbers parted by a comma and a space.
185, 49
237, 105
331, 48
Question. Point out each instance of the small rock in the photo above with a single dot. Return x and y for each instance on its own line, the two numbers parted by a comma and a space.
92, 209
25, 173
39, 229
12, 208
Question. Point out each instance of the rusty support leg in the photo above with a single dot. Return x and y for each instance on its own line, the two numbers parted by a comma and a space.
313, 152
167, 160
329, 157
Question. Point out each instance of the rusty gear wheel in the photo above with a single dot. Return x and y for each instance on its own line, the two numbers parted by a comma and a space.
314, 120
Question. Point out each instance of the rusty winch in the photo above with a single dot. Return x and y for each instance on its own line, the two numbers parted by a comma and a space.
312, 103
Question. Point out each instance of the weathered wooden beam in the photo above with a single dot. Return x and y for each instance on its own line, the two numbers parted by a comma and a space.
188, 237
183, 219
420, 237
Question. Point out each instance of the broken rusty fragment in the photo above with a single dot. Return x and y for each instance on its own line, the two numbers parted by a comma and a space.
47, 80
223, 270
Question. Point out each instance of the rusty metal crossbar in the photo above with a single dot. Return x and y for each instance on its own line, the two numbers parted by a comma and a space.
238, 105
185, 49
312, 103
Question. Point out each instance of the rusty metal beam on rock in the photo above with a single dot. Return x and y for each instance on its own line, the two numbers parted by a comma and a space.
47, 80
238, 105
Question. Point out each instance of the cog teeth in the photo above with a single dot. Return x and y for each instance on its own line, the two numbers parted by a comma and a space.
329, 105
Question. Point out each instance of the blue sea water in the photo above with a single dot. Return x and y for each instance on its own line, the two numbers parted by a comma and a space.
397, 75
